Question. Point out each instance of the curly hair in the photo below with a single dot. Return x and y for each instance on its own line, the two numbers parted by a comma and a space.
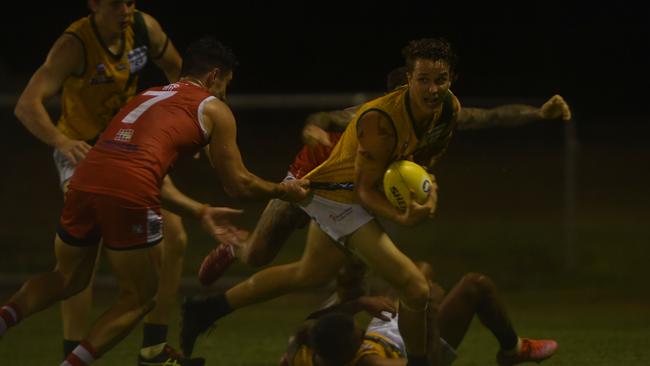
435, 49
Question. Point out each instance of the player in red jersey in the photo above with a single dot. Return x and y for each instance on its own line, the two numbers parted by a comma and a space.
115, 195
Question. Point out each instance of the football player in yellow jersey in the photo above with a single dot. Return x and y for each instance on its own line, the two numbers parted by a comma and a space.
331, 336
318, 263
279, 219
95, 64
386, 129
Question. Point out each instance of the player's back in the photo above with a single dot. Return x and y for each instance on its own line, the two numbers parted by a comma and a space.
142, 141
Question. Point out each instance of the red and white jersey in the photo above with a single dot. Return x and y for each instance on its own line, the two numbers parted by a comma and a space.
142, 141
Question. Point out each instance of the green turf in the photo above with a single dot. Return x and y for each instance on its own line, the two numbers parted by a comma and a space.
593, 328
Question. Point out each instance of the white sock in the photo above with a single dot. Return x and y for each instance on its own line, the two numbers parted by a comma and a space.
152, 351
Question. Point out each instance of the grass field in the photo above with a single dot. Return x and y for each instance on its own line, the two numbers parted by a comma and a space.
592, 327
501, 212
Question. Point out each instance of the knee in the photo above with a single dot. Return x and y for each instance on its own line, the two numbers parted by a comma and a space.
72, 283
477, 286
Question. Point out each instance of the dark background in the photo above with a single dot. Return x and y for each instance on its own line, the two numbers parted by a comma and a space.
506, 196
595, 55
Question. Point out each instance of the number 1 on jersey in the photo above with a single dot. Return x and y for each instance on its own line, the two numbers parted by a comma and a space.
158, 96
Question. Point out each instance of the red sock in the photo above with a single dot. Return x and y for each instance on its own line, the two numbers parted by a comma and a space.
83, 355
9, 316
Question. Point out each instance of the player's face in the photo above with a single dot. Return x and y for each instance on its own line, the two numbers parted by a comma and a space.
428, 84
117, 15
221, 81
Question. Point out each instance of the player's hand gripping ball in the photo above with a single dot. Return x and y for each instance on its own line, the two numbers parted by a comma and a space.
405, 180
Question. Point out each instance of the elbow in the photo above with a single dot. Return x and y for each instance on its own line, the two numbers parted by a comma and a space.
364, 197
20, 111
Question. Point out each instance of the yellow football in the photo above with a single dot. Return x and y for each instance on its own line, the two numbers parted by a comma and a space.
405, 180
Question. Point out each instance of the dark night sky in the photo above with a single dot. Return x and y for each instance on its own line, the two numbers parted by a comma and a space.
595, 56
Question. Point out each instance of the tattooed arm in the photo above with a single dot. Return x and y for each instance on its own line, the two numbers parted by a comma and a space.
513, 115
319, 124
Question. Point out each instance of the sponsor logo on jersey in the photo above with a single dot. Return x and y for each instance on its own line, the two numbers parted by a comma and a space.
137, 58
100, 76
124, 135
341, 216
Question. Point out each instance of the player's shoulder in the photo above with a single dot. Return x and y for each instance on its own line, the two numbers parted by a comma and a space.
79, 25
152, 24
67, 54
375, 120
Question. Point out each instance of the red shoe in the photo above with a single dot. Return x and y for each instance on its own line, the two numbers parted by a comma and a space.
532, 350
215, 264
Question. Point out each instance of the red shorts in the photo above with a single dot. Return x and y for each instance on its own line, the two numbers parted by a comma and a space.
88, 217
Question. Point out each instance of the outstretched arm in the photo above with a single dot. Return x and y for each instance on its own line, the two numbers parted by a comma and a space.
214, 220
227, 161
513, 115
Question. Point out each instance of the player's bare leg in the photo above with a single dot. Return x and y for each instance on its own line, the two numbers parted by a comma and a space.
319, 264
277, 222
173, 249
71, 275
136, 272
476, 294
374, 246
155, 349
75, 310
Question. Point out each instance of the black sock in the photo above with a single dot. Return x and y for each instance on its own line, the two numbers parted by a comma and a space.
218, 305
68, 346
417, 361
507, 339
153, 334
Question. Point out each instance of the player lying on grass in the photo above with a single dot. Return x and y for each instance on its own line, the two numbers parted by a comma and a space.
332, 336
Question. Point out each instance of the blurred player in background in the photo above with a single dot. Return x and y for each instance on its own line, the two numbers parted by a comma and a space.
142, 142
96, 64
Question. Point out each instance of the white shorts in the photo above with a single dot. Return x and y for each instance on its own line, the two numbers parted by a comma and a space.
338, 220
63, 166
389, 330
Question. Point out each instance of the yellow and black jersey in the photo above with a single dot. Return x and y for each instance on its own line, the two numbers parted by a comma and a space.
108, 81
337, 172
373, 344
378, 345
